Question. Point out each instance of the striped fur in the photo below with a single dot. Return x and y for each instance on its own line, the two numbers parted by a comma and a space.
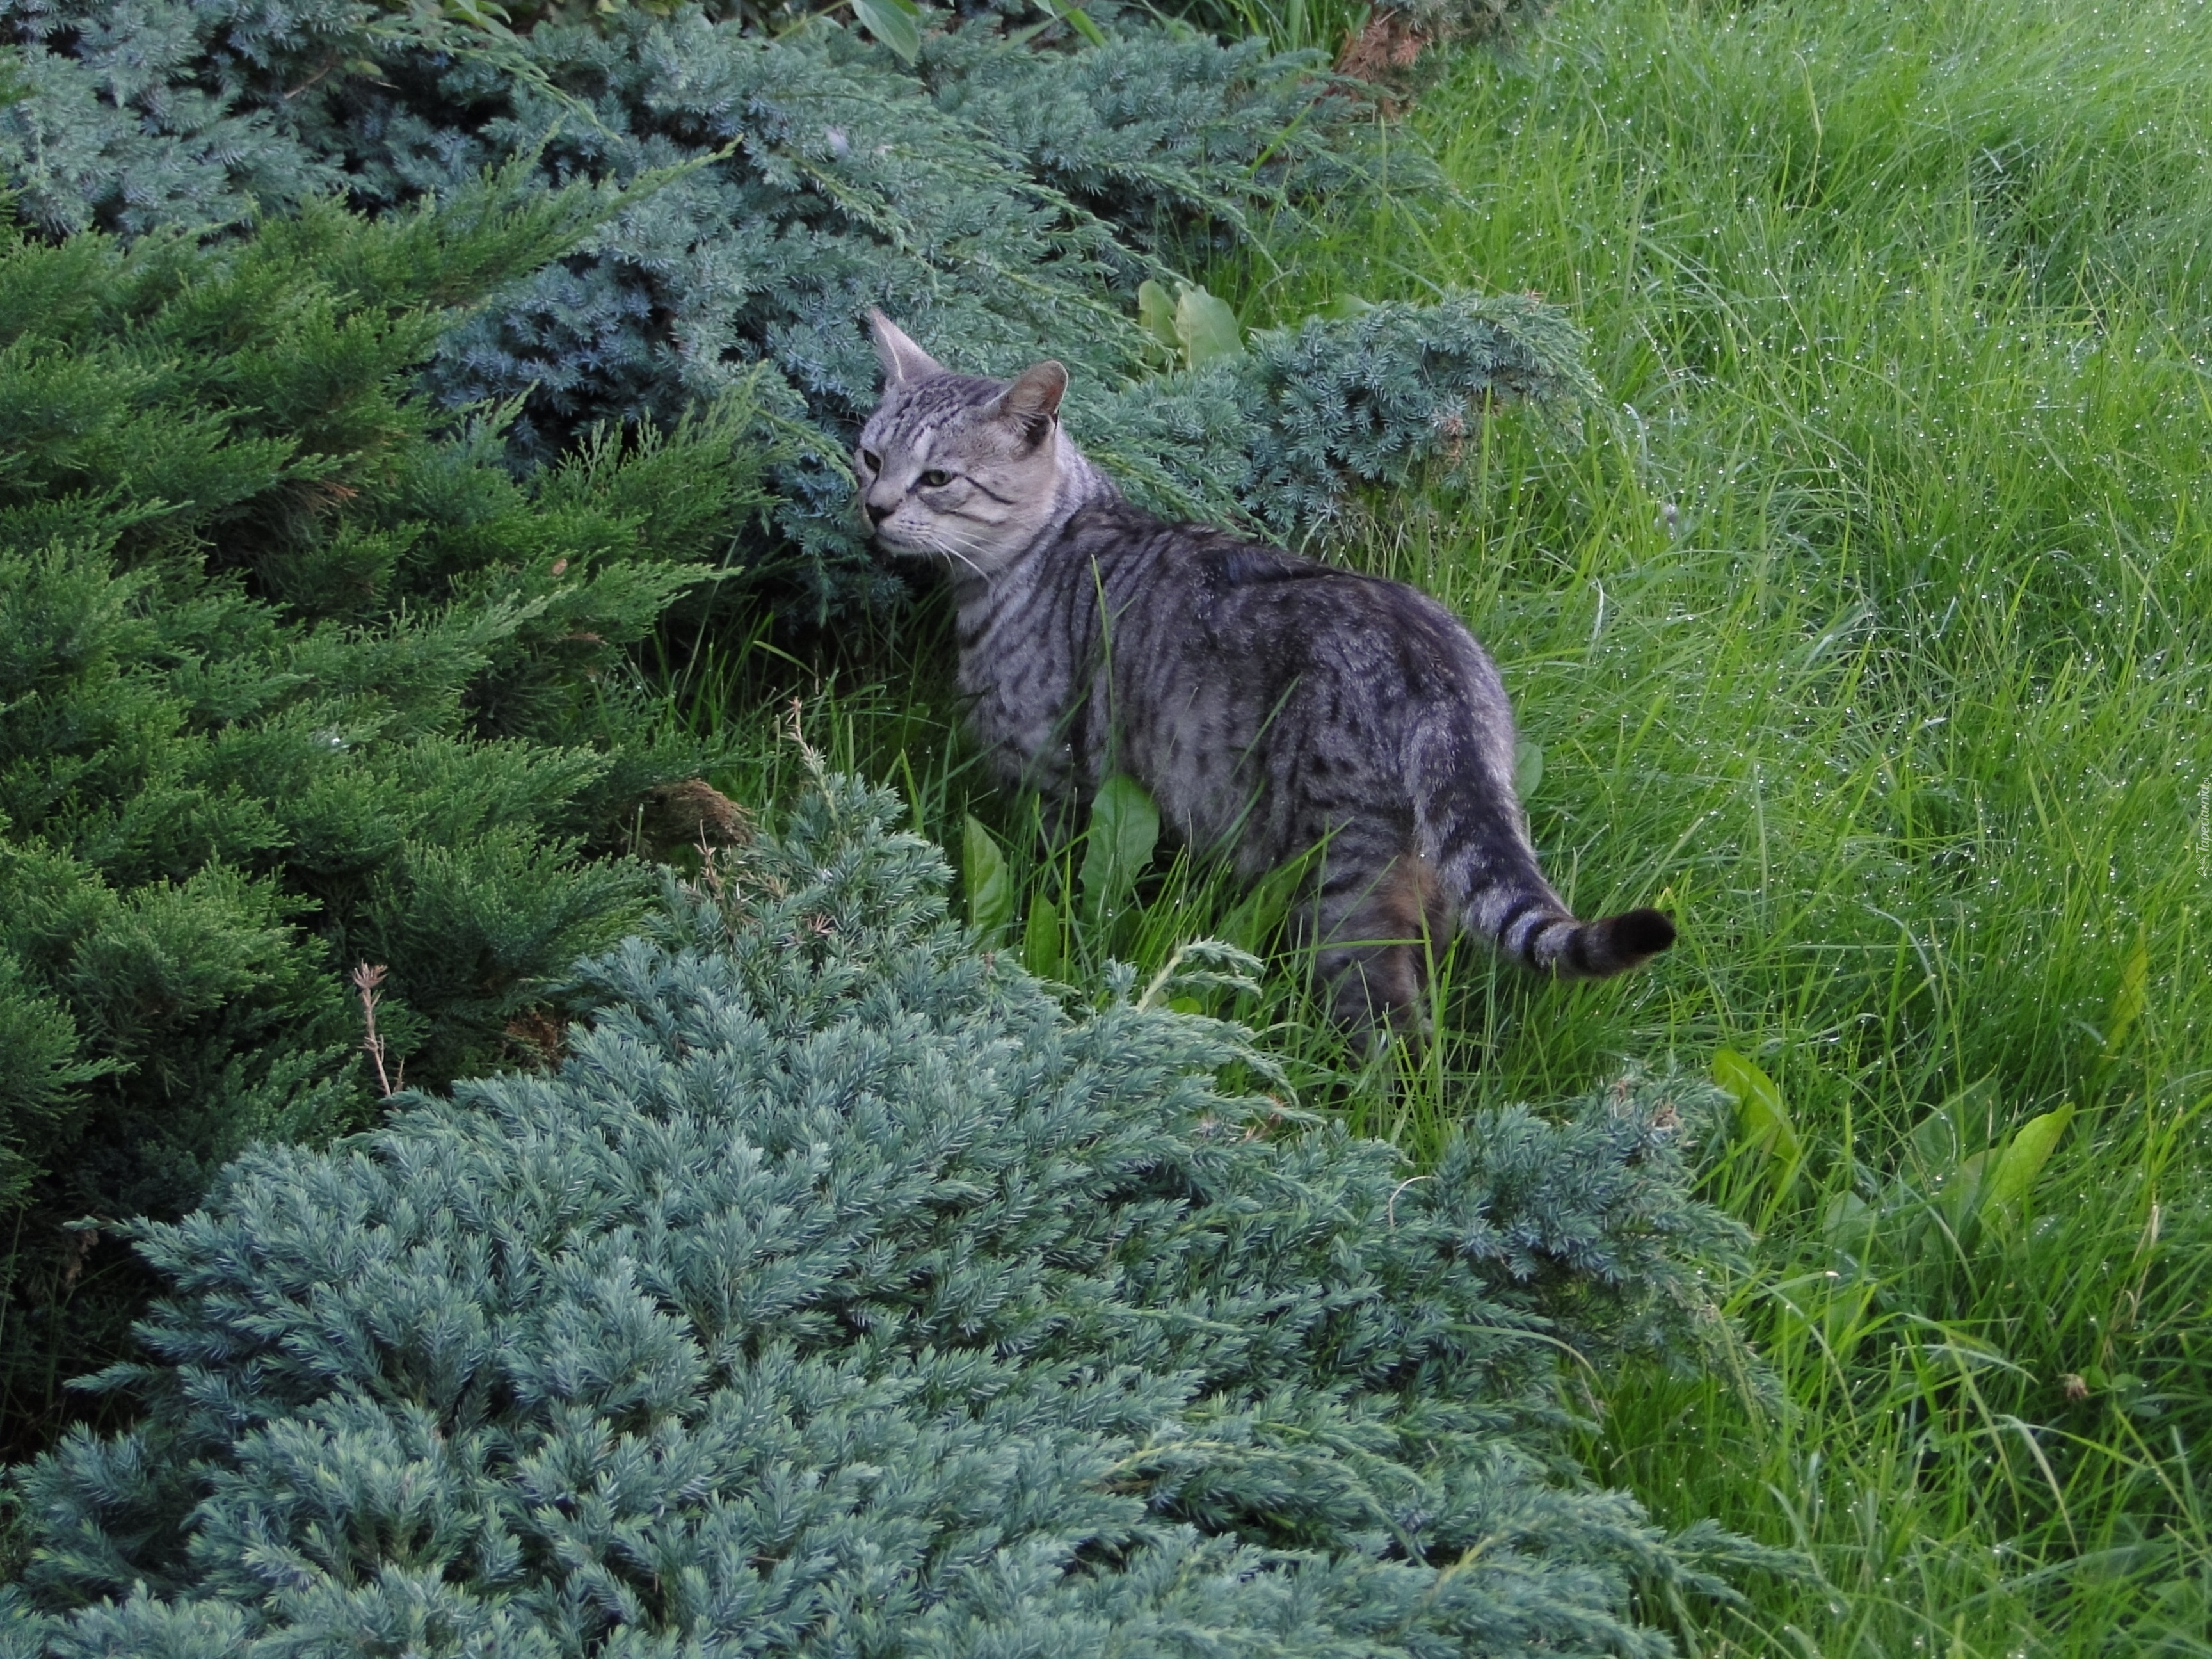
1271, 704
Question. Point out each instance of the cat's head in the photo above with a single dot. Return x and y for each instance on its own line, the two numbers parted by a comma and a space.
956, 468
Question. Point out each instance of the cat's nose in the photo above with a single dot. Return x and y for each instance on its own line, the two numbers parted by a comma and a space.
877, 515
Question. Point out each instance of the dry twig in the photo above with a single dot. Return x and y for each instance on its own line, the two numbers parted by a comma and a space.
366, 980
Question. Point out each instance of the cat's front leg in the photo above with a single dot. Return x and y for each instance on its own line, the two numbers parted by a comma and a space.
1051, 779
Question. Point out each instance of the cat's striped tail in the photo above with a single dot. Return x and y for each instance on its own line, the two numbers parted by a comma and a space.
1474, 835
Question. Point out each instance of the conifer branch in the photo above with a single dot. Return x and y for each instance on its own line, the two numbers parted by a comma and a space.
865, 1257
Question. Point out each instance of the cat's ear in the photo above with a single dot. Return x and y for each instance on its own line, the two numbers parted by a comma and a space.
902, 360
1034, 398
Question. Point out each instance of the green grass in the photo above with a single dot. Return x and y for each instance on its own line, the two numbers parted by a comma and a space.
1290, 25
1868, 635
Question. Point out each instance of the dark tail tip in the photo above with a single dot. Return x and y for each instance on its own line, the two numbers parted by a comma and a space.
1635, 934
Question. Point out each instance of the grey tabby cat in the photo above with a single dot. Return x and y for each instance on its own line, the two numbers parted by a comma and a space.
1269, 703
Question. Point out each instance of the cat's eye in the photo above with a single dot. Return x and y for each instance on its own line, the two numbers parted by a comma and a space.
871, 460
935, 478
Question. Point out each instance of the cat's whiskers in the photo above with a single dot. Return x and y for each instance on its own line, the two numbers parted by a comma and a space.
953, 552
946, 541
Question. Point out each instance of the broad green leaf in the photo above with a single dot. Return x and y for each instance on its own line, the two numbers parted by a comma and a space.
1125, 827
1206, 327
482, 14
1155, 315
1847, 1222
2023, 1160
1076, 18
1937, 1145
990, 881
1761, 1119
1528, 769
1940, 1140
1960, 1197
2127, 1001
896, 23
1041, 951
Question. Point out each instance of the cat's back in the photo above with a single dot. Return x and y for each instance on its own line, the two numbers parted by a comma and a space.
1246, 606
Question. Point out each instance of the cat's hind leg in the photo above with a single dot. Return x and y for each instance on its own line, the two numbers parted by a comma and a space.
1377, 920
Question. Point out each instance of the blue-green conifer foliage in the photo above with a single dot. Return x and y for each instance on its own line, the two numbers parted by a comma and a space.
842, 1292
1003, 196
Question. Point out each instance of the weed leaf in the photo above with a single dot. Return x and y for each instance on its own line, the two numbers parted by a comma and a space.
1528, 769
1041, 943
1125, 828
896, 23
1206, 327
1155, 315
1959, 1198
1761, 1119
2023, 1160
989, 880
1076, 18
1848, 1222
